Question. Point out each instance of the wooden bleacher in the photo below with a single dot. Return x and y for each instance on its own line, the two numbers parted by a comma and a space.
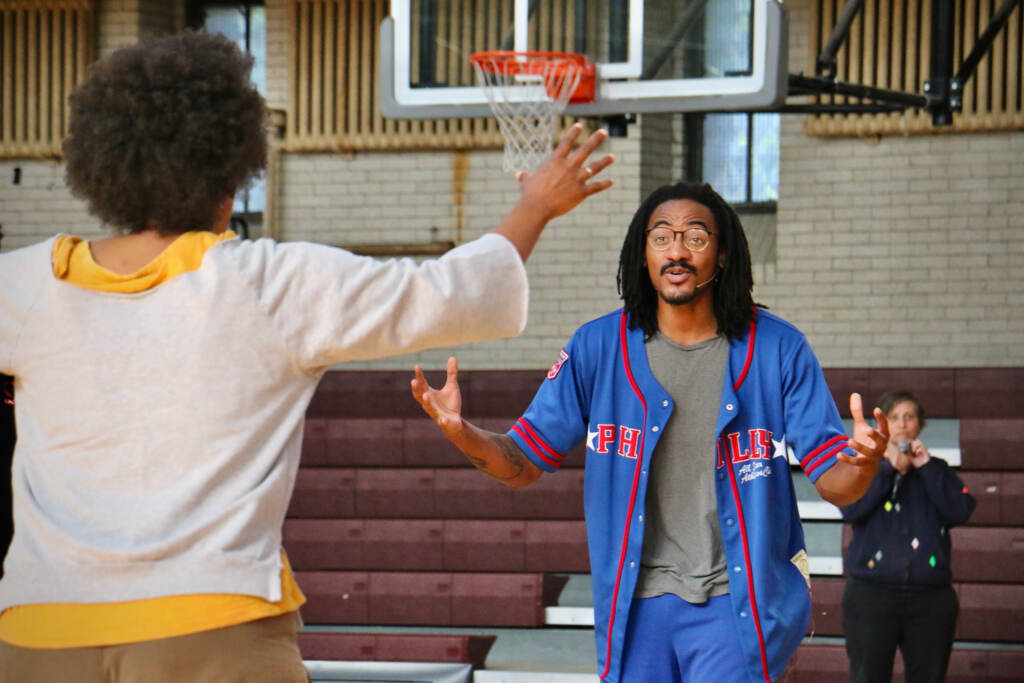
389, 527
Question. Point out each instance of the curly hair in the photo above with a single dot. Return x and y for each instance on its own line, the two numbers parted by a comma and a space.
163, 132
887, 401
732, 299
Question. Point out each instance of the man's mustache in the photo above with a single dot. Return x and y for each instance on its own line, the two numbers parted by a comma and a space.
678, 264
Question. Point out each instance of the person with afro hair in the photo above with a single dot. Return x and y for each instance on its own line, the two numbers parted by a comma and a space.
162, 375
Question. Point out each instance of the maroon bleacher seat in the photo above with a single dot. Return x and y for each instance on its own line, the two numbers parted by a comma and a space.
826, 607
484, 545
406, 544
391, 492
428, 598
933, 386
991, 612
993, 554
556, 546
437, 545
510, 600
470, 494
335, 597
500, 393
991, 444
423, 445
396, 647
324, 492
989, 393
314, 544
817, 663
1000, 497
411, 598
986, 487
364, 393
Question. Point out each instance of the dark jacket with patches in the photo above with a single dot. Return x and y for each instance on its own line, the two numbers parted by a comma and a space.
901, 525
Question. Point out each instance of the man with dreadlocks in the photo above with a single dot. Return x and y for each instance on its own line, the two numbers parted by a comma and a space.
688, 399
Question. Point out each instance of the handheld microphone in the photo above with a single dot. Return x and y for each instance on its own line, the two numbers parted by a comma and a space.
902, 447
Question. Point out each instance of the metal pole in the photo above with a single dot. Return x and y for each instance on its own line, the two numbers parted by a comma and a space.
982, 45
807, 85
937, 87
826, 62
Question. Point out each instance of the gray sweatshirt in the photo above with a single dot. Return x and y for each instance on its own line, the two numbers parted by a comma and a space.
159, 432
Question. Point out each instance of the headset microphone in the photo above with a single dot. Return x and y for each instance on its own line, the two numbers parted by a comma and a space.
708, 281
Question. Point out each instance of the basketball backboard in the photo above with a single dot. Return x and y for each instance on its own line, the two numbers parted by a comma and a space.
653, 56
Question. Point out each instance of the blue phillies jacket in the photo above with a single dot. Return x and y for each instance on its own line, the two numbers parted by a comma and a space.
601, 390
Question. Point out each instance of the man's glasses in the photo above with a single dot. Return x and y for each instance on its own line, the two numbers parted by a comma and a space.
694, 239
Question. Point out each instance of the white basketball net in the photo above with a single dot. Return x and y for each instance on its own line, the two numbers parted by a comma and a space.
527, 94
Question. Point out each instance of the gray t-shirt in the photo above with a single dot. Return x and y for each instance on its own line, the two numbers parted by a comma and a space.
683, 551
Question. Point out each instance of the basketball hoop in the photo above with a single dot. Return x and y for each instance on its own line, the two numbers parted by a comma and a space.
527, 92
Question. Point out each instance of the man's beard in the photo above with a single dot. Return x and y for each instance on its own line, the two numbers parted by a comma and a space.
679, 299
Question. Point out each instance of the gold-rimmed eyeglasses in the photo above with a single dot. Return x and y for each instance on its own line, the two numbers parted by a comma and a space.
694, 239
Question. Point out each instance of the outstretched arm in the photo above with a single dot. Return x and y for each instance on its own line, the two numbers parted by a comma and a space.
850, 477
494, 454
555, 188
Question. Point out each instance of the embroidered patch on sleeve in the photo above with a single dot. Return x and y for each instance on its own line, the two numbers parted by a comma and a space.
562, 357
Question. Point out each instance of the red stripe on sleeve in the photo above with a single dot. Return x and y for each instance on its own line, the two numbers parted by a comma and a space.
823, 458
830, 444
534, 446
539, 441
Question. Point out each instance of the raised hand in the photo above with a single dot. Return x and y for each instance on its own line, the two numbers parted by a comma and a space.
443, 405
919, 455
869, 442
565, 179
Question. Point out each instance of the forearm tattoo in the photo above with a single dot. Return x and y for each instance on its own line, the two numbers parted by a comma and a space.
513, 456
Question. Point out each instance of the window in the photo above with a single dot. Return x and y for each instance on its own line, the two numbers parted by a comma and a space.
738, 153
244, 23
741, 157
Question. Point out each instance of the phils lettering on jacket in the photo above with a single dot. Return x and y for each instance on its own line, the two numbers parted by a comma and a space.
754, 444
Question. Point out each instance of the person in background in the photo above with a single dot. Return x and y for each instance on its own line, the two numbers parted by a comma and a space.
899, 593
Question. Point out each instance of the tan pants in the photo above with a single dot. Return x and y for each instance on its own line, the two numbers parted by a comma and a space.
262, 651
